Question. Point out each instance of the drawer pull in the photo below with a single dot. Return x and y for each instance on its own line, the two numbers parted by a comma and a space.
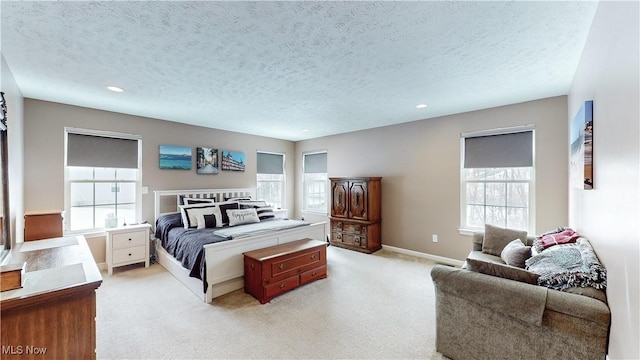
282, 285
129, 254
129, 239
281, 266
313, 256
313, 273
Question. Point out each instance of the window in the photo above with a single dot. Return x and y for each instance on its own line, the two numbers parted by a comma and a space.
102, 180
315, 182
497, 179
270, 178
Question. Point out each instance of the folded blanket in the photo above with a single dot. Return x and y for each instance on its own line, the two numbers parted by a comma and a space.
564, 237
568, 265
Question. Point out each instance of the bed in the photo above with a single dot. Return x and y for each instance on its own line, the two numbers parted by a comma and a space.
216, 266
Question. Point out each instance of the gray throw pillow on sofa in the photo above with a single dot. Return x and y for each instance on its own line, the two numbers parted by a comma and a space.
515, 253
496, 238
503, 271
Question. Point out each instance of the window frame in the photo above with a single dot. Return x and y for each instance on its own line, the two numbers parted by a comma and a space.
305, 184
283, 182
67, 181
531, 209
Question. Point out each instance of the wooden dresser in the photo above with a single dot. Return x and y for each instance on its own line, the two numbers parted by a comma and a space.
356, 213
274, 270
53, 315
42, 224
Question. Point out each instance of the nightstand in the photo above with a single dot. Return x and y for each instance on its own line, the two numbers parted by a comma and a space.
281, 213
127, 245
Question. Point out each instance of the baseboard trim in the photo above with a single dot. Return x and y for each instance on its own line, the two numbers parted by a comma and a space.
436, 258
102, 266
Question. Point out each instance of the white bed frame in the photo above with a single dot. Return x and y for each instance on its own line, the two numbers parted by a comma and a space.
224, 260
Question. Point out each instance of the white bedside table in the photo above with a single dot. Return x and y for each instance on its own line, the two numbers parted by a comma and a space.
127, 245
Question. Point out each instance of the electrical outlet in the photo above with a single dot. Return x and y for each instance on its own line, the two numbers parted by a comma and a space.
434, 238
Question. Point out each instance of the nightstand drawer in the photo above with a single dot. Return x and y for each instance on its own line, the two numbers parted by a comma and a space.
129, 239
129, 255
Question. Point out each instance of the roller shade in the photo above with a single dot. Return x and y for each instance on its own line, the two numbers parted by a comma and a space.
270, 163
101, 151
496, 151
315, 163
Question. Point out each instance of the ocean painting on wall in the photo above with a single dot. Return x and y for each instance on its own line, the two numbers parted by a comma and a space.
581, 152
175, 157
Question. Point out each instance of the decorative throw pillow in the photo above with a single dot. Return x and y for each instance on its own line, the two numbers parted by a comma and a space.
516, 253
496, 238
245, 204
233, 205
265, 212
191, 201
503, 271
207, 221
242, 216
190, 213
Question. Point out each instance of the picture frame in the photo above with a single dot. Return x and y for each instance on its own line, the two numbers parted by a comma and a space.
207, 161
581, 148
233, 161
175, 157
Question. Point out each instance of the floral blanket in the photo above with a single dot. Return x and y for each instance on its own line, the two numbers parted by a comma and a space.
568, 265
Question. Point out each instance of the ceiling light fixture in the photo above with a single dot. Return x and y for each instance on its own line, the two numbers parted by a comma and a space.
421, 106
115, 89
305, 130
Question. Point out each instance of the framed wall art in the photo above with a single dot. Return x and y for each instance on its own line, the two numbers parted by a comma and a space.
175, 157
207, 160
581, 148
233, 160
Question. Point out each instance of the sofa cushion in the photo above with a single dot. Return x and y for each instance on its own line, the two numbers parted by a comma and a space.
496, 238
479, 262
515, 253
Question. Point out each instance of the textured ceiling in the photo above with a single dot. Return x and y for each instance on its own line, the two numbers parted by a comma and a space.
276, 68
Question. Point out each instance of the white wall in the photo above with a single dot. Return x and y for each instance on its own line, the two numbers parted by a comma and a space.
609, 215
14, 99
420, 167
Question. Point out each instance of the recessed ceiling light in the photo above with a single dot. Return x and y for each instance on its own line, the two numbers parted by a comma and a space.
421, 106
115, 89
305, 130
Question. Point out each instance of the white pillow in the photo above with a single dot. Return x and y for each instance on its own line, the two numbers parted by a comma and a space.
190, 214
201, 222
242, 216
193, 201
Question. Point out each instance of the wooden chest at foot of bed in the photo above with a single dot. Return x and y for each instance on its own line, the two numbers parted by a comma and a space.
272, 271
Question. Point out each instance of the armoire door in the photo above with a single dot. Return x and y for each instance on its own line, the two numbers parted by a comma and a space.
358, 200
339, 191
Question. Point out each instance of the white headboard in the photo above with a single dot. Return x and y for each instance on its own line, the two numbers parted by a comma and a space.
169, 196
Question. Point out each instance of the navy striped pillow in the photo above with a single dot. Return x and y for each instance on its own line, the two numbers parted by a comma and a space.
265, 212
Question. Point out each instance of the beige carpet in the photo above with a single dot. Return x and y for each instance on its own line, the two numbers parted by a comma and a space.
378, 306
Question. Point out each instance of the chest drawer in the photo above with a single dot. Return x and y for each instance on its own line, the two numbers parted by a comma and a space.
280, 287
137, 253
291, 265
130, 239
314, 274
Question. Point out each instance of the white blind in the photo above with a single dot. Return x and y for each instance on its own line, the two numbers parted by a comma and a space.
101, 151
315, 163
270, 163
496, 151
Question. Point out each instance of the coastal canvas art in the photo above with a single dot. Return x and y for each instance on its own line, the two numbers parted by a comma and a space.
175, 157
581, 151
233, 160
207, 160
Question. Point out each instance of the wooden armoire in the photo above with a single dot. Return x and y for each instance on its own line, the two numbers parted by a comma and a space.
356, 213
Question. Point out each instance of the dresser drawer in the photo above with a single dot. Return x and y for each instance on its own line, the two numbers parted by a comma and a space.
132, 254
314, 274
129, 239
292, 264
280, 287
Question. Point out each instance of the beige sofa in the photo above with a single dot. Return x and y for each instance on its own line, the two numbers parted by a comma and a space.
481, 316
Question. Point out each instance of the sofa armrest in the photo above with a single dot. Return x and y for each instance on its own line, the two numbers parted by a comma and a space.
501, 295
